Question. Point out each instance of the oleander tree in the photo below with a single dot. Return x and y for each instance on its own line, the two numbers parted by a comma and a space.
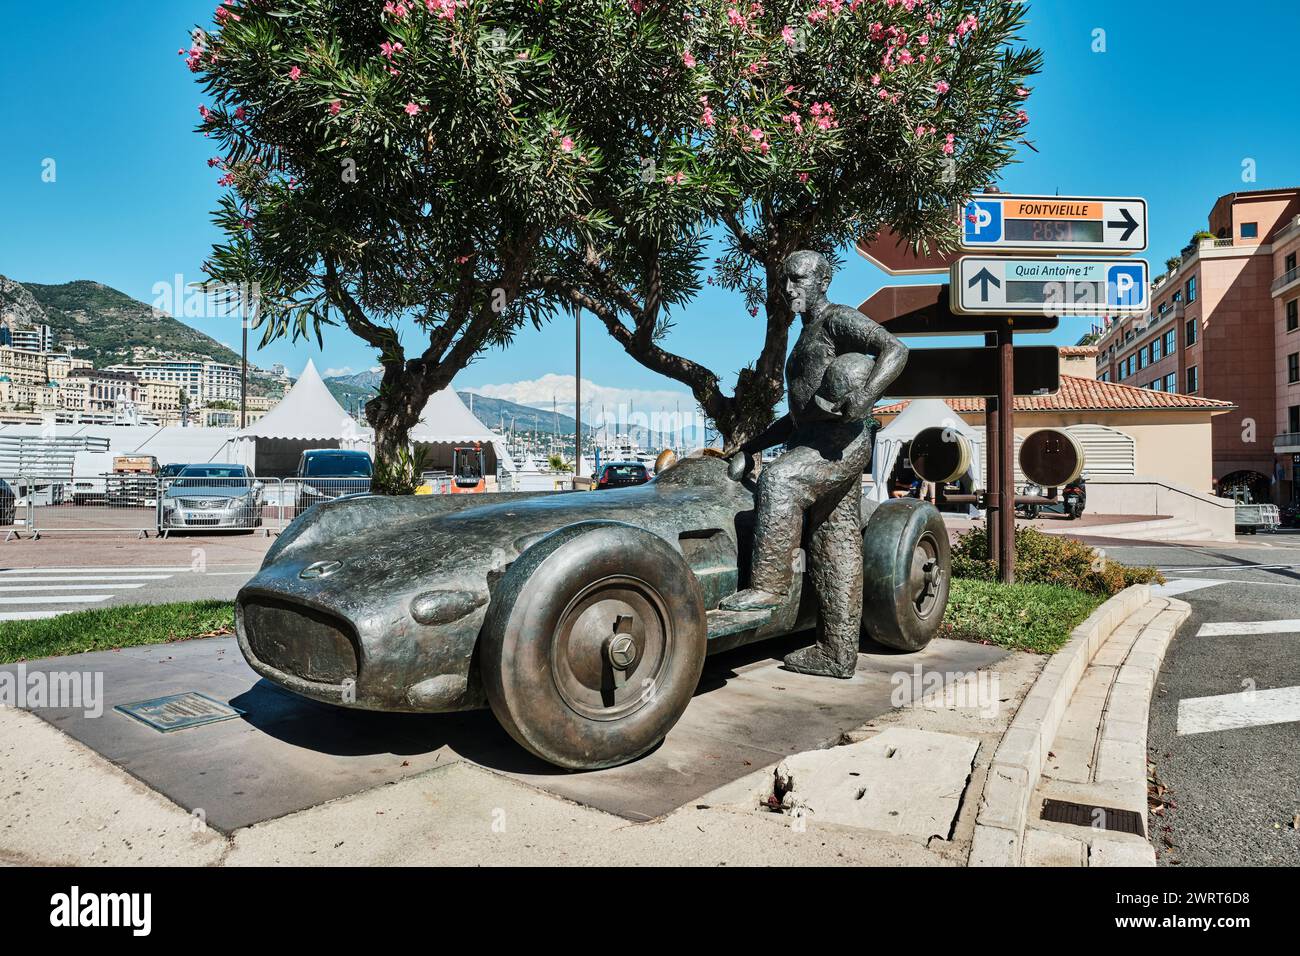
433, 175
789, 124
401, 170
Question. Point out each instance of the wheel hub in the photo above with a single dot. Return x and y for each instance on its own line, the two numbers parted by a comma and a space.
611, 644
926, 576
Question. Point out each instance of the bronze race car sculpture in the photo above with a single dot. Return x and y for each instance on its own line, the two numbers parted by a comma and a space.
582, 620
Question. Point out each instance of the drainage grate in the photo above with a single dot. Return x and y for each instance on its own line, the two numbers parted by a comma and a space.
179, 711
1085, 815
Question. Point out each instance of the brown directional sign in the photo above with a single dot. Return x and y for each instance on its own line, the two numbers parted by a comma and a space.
973, 373
899, 257
925, 310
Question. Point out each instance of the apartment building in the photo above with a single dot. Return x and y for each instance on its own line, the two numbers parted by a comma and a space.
22, 367
108, 392
203, 381
1212, 332
1286, 325
162, 401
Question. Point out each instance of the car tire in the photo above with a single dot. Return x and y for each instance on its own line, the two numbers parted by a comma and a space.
906, 572
575, 603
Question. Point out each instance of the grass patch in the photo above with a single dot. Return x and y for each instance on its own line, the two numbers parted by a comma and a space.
1022, 617
111, 627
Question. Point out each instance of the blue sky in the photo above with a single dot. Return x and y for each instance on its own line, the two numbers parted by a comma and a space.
1167, 112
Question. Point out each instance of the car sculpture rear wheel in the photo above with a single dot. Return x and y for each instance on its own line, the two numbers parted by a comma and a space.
905, 574
593, 644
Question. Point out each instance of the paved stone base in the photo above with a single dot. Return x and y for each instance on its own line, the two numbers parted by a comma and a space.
288, 754
902, 781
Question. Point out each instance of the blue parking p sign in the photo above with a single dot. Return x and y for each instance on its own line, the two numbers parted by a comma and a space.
1126, 285
983, 222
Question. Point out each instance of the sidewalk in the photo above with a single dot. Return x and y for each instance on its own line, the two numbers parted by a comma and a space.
66, 804
950, 764
72, 550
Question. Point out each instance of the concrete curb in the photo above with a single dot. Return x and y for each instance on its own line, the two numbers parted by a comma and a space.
1018, 762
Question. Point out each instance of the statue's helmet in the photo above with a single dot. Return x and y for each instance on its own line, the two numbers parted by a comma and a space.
847, 374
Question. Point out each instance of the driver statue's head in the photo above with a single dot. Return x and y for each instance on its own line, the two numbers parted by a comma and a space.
807, 277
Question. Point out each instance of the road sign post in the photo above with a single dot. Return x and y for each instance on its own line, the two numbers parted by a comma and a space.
1011, 280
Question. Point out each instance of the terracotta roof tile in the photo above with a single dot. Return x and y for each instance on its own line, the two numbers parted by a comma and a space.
1076, 351
1086, 394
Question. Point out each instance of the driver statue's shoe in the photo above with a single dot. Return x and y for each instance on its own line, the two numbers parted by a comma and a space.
752, 600
815, 660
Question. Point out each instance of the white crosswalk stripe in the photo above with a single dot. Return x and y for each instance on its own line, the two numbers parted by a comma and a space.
39, 593
1257, 708
1228, 628
1251, 708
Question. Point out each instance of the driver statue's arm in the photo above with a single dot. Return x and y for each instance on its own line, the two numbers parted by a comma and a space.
854, 332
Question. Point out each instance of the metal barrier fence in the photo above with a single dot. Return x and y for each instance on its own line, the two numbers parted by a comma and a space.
220, 499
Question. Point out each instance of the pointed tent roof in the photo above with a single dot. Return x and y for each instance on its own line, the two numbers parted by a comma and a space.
307, 413
446, 419
920, 414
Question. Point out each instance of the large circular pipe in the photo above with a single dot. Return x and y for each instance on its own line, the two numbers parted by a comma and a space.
1051, 457
940, 454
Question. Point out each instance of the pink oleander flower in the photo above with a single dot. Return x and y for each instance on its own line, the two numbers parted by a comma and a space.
949, 143
803, 177
295, 74
566, 144
335, 107
688, 60
787, 34
942, 87
240, 112
412, 109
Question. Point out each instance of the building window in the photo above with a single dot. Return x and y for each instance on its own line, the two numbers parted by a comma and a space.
1158, 385
1119, 370
1250, 230
1164, 307
1144, 357
1192, 380
1293, 368
1171, 341
1289, 263
1105, 377
1171, 382
1155, 350
1293, 419
1191, 290
1293, 315
1190, 338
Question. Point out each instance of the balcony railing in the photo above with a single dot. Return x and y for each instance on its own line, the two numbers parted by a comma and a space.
1286, 280
1287, 443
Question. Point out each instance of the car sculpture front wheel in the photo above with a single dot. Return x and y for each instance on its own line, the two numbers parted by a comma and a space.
906, 570
593, 644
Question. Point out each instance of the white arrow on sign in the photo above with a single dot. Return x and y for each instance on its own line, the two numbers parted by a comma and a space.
998, 222
1050, 286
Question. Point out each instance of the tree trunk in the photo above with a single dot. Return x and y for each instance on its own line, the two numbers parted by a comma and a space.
392, 414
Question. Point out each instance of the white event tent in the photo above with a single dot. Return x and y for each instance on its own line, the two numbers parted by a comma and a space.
446, 423
307, 417
919, 415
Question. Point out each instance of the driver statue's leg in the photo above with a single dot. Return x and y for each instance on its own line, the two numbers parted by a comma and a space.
835, 569
786, 489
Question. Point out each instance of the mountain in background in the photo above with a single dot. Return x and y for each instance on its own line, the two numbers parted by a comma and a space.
498, 414
103, 325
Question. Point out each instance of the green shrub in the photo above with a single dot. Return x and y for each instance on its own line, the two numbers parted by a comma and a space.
1049, 559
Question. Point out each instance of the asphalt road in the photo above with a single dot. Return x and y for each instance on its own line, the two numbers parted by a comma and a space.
1224, 732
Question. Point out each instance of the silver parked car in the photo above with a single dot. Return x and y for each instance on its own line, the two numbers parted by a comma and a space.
222, 497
